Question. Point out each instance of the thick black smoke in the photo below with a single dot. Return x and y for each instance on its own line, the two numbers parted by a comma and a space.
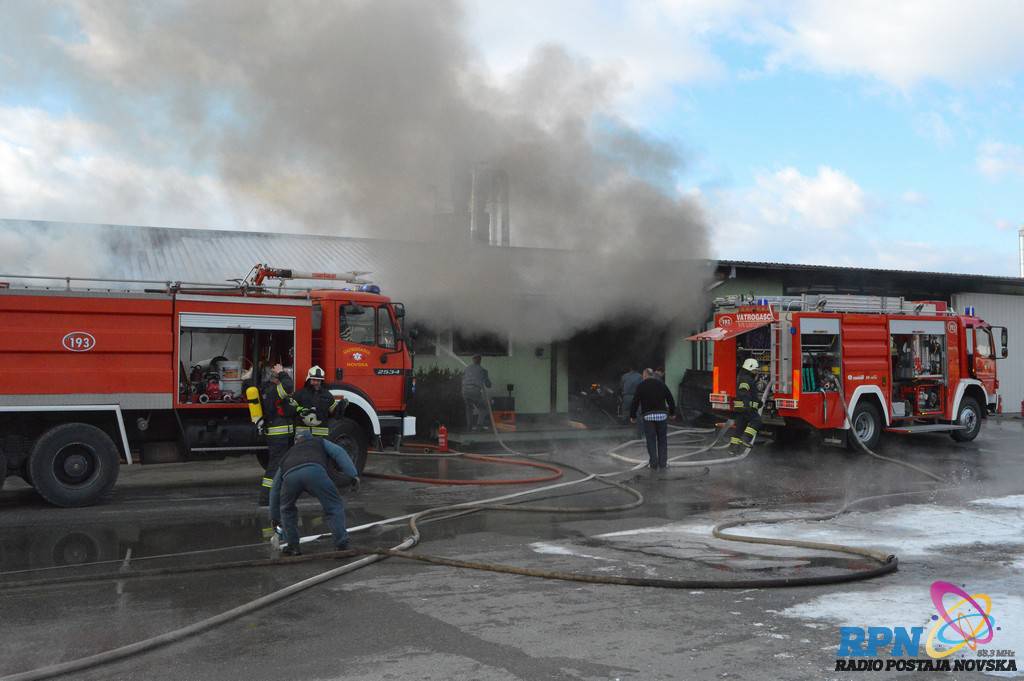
368, 119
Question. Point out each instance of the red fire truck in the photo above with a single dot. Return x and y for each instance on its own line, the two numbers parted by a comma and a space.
899, 366
95, 377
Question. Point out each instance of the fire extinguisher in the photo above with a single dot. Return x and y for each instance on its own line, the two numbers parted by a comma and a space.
442, 438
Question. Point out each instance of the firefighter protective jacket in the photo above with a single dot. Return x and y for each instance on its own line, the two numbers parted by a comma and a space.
746, 391
320, 402
278, 405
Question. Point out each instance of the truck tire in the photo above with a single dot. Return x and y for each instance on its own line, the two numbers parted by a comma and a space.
353, 438
74, 464
969, 415
866, 425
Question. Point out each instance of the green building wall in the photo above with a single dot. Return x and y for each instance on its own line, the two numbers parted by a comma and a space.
530, 374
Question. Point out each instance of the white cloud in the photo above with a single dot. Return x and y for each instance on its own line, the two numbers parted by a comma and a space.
829, 200
62, 168
650, 45
902, 43
658, 43
996, 159
787, 216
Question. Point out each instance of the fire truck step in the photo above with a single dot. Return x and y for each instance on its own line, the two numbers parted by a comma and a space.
926, 428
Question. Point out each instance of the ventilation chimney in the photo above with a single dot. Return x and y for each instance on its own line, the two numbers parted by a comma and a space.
1020, 250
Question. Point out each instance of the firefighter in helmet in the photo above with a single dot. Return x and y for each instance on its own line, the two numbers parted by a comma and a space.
316, 405
745, 407
277, 424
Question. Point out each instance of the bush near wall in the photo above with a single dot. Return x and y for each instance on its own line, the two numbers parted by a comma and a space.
438, 400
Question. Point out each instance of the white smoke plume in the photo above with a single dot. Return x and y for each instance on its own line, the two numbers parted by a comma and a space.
365, 118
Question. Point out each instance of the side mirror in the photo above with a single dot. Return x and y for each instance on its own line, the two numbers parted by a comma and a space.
399, 310
1004, 342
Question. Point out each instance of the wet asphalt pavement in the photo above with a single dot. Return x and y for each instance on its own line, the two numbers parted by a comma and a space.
402, 620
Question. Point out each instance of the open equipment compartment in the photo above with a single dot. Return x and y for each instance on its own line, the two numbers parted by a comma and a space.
820, 354
919, 368
220, 354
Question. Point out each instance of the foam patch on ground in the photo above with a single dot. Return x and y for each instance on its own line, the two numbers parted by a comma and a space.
908, 530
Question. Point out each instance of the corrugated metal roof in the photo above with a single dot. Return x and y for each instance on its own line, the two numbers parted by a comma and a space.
207, 255
756, 264
213, 256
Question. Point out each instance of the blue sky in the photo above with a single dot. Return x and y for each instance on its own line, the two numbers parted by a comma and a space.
866, 133
914, 108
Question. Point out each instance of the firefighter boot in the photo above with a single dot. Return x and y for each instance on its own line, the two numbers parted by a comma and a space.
736, 446
749, 434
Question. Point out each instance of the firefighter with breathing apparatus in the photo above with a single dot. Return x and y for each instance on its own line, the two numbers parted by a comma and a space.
316, 405
273, 411
745, 406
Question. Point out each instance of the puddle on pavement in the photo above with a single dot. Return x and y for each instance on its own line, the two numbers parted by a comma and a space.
44, 547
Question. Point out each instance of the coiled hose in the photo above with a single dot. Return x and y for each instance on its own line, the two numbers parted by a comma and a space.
887, 563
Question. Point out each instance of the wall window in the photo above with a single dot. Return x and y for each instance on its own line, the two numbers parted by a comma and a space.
426, 341
487, 344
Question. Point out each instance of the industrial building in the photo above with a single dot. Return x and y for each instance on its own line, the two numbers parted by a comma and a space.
539, 376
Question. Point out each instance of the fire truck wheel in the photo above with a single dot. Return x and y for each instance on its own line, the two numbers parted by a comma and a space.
969, 416
867, 425
74, 464
349, 435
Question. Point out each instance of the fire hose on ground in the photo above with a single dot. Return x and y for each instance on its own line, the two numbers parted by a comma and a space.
886, 563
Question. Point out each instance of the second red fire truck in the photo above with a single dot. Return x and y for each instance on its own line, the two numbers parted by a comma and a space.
860, 365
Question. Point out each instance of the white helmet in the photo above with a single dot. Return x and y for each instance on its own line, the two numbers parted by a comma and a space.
315, 372
750, 364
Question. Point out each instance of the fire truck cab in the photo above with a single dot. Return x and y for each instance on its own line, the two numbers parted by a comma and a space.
859, 364
157, 371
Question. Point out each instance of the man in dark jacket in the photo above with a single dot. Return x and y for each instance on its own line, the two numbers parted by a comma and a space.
277, 424
655, 403
303, 468
474, 382
316, 405
745, 406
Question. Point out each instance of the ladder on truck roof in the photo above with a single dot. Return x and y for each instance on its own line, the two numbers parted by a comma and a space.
14, 283
817, 302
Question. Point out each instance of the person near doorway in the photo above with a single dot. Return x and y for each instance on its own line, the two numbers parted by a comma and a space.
629, 383
474, 383
655, 405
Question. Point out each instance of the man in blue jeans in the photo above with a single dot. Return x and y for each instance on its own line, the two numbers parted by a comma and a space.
303, 468
655, 404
